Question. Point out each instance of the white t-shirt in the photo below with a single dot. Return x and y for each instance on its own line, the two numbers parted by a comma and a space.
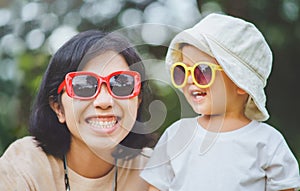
253, 158
25, 167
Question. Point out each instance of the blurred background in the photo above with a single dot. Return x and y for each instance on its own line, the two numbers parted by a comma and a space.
31, 31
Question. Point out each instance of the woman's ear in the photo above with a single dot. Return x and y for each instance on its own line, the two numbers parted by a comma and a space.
139, 101
57, 108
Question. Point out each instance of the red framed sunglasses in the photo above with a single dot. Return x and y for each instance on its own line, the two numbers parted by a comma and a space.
87, 85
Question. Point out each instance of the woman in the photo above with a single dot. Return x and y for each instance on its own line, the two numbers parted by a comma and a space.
85, 134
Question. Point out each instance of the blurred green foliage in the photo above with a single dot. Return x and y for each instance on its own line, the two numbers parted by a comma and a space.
27, 29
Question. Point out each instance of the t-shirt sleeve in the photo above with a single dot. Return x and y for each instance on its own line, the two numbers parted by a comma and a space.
158, 171
283, 170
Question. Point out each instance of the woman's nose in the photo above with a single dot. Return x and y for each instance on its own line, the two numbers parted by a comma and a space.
103, 100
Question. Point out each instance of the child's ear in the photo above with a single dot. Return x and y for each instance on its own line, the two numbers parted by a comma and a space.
241, 91
57, 108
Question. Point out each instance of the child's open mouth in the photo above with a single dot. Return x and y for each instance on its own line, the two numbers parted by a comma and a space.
198, 94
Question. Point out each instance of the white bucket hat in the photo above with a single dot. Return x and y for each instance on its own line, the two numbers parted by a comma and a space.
240, 48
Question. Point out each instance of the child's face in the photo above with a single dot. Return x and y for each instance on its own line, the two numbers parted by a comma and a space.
222, 96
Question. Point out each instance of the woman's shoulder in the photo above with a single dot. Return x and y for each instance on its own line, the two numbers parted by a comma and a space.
24, 154
23, 146
25, 164
27, 141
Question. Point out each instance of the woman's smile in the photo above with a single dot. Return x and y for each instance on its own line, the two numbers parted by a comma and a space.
103, 124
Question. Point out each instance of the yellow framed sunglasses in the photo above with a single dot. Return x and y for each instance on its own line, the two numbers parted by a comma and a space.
203, 74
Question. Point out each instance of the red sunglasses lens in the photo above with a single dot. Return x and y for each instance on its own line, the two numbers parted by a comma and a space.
84, 85
122, 85
203, 74
179, 75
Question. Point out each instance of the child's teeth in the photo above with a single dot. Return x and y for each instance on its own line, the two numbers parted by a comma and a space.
198, 94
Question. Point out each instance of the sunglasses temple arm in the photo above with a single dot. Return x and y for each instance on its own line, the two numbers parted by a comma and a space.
61, 87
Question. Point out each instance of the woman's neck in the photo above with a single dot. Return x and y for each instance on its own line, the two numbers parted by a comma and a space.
86, 163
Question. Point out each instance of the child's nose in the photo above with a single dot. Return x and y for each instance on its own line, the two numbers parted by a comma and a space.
189, 79
103, 100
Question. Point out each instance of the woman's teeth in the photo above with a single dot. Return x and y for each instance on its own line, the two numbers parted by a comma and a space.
102, 124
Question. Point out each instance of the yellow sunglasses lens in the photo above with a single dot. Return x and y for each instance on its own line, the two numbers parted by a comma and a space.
179, 75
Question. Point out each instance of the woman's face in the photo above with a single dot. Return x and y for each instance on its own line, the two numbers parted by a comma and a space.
103, 122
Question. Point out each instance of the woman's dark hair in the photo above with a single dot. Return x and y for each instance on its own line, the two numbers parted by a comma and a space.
54, 137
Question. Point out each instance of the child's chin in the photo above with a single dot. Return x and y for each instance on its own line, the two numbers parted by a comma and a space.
199, 110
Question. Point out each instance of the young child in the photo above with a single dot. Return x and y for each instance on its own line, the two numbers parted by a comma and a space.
222, 65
